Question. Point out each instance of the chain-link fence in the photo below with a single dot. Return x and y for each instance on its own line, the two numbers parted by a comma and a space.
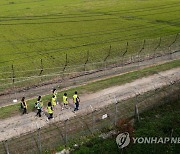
71, 130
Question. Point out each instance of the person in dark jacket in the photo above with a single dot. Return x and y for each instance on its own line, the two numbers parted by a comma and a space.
76, 101
38, 106
24, 105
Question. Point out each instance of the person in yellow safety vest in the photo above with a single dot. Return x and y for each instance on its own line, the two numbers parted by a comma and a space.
24, 105
76, 101
38, 106
65, 100
50, 111
55, 95
53, 101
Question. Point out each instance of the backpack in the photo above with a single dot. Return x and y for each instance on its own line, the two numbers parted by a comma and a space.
22, 105
35, 105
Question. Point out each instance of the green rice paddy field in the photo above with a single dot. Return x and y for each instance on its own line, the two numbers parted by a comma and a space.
31, 30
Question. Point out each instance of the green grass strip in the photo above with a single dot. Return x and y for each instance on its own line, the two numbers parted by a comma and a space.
93, 87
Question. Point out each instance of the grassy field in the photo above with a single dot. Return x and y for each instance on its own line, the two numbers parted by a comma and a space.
158, 122
31, 30
93, 87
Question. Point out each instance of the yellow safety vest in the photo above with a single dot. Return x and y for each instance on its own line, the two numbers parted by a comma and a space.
55, 94
40, 102
65, 100
24, 105
75, 98
38, 105
49, 110
53, 101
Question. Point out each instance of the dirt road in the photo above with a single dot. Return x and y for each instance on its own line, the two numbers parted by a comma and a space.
18, 125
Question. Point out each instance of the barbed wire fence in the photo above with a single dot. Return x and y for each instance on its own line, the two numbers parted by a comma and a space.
71, 131
131, 55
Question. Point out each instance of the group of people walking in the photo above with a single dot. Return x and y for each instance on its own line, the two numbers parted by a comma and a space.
51, 105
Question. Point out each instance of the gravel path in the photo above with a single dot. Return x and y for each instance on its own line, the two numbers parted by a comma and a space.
18, 125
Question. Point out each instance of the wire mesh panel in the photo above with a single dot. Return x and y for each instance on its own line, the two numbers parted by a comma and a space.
24, 144
78, 128
51, 136
161, 96
104, 118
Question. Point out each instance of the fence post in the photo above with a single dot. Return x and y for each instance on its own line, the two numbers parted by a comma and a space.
141, 51
86, 61
42, 68
13, 74
108, 54
92, 121
124, 53
39, 140
159, 44
105, 59
6, 147
13, 79
169, 47
136, 111
116, 110
66, 135
65, 64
